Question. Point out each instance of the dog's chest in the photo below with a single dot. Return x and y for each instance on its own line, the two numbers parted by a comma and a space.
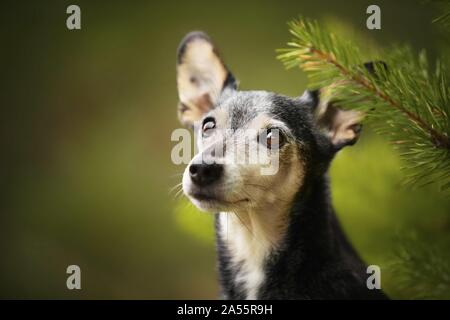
248, 249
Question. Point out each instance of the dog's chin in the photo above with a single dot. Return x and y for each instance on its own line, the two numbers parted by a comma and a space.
213, 204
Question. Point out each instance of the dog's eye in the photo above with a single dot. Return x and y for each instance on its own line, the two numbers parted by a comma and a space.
272, 138
208, 124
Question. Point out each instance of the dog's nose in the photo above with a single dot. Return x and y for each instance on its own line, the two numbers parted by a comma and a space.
205, 174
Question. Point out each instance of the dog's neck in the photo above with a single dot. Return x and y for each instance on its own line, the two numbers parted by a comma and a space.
251, 242
249, 238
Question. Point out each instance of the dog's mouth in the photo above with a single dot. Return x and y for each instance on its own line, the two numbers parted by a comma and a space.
202, 196
213, 200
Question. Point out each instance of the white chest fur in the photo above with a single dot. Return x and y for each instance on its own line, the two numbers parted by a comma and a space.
249, 245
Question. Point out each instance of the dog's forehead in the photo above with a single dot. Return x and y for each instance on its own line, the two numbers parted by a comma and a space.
242, 107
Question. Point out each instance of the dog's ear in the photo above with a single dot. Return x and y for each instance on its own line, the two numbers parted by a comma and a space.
201, 77
342, 127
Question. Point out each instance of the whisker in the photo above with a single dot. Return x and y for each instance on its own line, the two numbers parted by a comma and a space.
244, 224
175, 187
179, 194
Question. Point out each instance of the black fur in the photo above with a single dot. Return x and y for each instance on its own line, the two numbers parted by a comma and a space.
315, 260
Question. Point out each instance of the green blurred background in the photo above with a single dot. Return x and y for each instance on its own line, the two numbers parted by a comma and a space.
85, 137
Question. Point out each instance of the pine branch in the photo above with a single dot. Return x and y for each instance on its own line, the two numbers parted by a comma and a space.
413, 102
421, 271
438, 138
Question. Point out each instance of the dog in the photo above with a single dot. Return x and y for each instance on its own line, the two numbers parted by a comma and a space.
277, 235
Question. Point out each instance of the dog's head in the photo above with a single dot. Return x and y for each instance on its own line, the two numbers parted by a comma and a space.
293, 137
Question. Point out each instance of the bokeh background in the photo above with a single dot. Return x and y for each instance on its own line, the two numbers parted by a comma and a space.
85, 143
